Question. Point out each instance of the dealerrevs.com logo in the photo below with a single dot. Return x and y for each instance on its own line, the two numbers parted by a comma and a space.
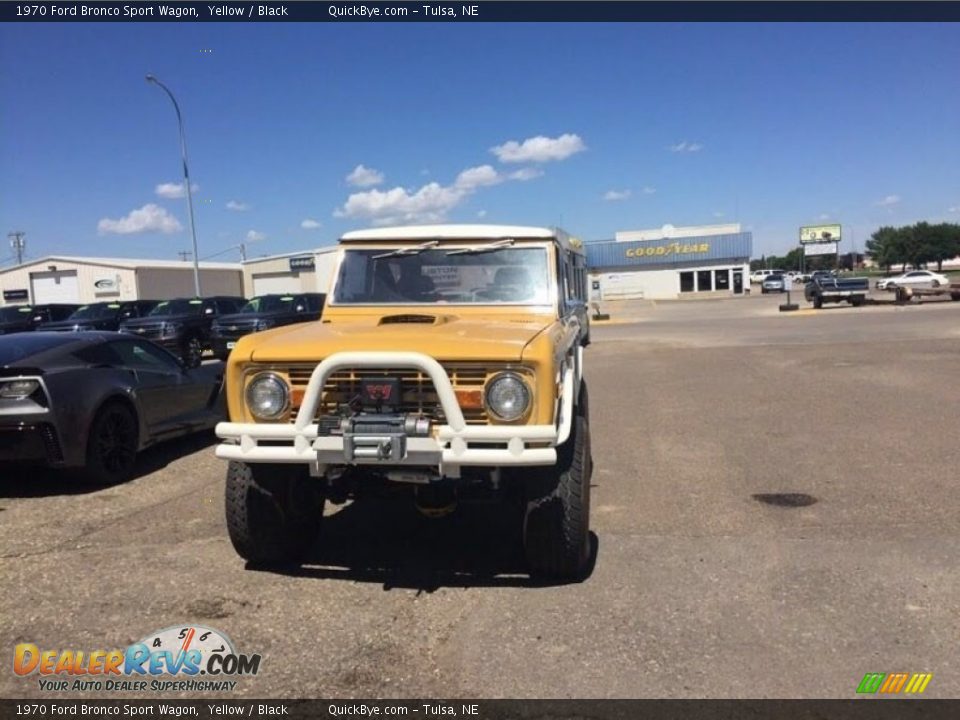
176, 659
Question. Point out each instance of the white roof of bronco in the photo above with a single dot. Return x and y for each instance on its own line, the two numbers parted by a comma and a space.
459, 232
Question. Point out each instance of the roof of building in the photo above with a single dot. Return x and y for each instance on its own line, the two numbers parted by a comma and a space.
130, 263
299, 253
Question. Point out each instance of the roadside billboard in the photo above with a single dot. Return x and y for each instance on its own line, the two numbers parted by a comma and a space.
819, 234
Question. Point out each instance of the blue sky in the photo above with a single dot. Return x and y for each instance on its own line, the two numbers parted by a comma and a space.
310, 130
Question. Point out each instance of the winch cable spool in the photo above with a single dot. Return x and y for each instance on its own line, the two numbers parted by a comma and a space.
435, 503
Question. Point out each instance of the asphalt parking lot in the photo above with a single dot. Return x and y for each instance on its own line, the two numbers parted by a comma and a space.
775, 514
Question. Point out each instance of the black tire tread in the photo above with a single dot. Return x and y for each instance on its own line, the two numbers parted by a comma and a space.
556, 526
93, 471
273, 514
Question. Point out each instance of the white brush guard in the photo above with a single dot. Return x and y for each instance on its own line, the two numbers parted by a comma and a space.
448, 446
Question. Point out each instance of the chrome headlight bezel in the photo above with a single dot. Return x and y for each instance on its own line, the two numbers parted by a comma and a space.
495, 409
279, 384
27, 387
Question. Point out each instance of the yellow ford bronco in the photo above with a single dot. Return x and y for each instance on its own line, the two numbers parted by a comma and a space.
449, 359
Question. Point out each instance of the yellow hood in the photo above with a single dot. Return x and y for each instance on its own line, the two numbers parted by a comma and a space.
446, 337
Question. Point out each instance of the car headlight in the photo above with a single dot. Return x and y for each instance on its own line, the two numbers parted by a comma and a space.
507, 396
18, 389
268, 396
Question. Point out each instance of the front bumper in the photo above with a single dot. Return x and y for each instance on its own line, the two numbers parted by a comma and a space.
447, 448
30, 442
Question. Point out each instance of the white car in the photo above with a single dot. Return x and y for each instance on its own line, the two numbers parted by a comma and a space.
914, 278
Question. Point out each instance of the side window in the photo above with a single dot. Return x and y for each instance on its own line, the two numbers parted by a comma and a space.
100, 354
143, 356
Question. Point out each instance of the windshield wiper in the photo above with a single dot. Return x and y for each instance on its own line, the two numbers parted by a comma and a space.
412, 250
486, 247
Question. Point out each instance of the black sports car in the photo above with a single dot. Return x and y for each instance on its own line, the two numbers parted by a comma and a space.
92, 400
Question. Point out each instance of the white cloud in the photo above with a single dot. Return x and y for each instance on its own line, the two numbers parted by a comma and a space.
237, 206
362, 176
480, 176
684, 146
254, 236
481, 213
718, 214
824, 216
149, 218
888, 201
539, 149
524, 174
647, 190
173, 191
614, 195
310, 224
954, 209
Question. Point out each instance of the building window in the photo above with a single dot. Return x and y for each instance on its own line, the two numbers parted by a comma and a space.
722, 279
704, 280
686, 282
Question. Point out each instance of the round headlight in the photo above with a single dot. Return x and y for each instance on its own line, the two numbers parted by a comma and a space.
268, 396
508, 396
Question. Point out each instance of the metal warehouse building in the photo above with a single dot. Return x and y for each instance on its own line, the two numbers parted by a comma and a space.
59, 279
671, 262
308, 271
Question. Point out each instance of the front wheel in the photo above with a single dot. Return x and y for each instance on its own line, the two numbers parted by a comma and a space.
556, 526
111, 445
817, 302
273, 512
191, 352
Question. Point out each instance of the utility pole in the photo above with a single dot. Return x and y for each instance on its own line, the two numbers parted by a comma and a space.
243, 252
184, 254
18, 244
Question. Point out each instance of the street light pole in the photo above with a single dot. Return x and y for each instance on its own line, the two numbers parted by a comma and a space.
186, 180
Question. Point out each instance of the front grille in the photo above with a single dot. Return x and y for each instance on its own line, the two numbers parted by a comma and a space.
146, 331
416, 389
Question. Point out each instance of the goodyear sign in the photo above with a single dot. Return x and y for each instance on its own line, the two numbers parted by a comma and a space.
731, 247
664, 251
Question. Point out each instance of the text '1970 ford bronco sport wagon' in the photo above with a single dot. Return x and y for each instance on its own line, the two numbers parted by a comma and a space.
448, 358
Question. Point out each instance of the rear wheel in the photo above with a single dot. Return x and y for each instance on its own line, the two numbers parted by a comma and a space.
273, 512
556, 527
111, 445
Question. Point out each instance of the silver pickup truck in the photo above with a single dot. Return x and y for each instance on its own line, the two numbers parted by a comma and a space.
827, 288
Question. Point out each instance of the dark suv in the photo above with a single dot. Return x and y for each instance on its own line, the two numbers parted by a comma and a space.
183, 325
23, 318
101, 316
262, 313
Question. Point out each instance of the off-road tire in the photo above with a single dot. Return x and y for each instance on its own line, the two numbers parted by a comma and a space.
817, 302
556, 525
273, 512
112, 443
191, 352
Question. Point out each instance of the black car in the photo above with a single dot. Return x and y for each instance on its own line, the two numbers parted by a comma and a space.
183, 325
92, 400
24, 318
261, 313
101, 316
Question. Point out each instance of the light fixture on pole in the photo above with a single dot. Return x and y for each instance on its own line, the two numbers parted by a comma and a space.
186, 181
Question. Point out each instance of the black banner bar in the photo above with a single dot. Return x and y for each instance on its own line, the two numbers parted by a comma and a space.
867, 709
489, 11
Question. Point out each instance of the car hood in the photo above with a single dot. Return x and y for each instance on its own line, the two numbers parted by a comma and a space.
71, 324
445, 337
139, 322
248, 317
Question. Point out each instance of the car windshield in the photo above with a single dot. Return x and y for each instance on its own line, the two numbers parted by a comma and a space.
270, 303
507, 275
94, 312
10, 314
177, 307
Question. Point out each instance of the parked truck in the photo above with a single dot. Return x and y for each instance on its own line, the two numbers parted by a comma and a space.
827, 288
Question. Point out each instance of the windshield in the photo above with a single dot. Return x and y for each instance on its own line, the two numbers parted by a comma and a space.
93, 312
10, 314
507, 276
177, 307
270, 303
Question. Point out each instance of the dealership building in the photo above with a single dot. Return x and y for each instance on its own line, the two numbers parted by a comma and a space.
307, 271
671, 262
61, 279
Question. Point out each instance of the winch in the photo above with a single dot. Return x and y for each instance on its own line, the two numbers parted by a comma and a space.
375, 436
